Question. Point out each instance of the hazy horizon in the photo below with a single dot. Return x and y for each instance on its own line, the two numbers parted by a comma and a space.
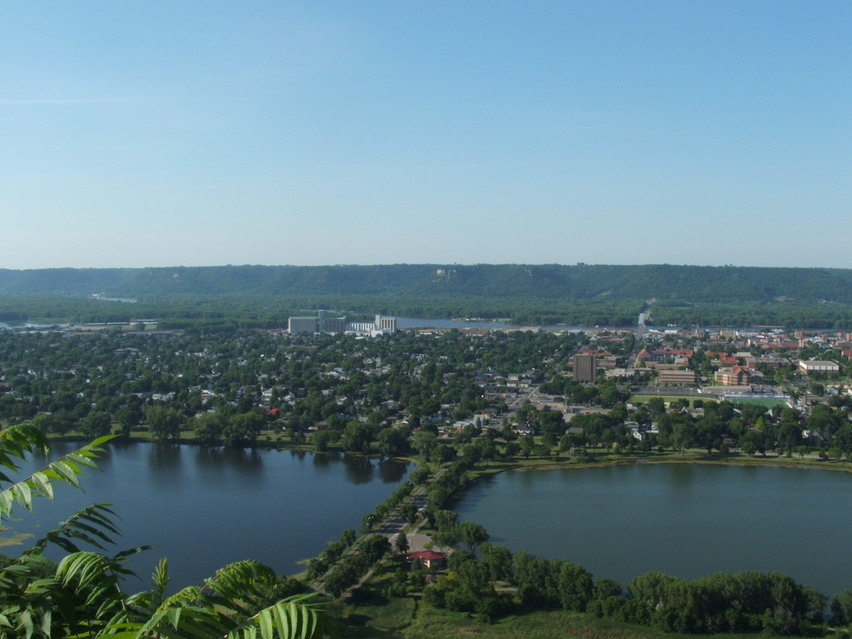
312, 133
436, 264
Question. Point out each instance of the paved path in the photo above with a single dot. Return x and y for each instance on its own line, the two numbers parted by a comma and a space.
390, 528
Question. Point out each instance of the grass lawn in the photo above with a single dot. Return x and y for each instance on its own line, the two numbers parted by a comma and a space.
379, 617
430, 623
768, 403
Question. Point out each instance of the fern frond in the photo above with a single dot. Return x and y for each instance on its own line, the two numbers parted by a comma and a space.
290, 618
183, 615
240, 587
82, 568
17, 442
92, 525
148, 601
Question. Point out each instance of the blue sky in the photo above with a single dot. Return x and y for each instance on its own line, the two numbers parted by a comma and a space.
205, 133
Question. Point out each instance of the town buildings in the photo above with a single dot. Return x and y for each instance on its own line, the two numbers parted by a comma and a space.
323, 323
585, 367
810, 366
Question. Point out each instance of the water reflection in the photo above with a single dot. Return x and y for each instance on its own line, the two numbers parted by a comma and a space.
174, 496
164, 456
682, 476
207, 457
392, 472
323, 462
165, 462
298, 454
359, 470
245, 461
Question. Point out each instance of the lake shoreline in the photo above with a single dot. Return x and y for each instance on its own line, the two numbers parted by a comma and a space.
685, 517
493, 468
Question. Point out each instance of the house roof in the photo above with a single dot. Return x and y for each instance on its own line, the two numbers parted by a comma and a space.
426, 555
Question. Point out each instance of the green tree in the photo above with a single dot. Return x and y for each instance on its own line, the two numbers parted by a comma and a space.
243, 429
401, 543
841, 608
95, 424
472, 534
129, 416
575, 586
393, 442
163, 422
357, 437
498, 559
321, 439
208, 428
527, 445
424, 442
408, 511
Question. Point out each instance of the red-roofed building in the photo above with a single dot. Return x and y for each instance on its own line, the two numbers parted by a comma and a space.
593, 351
431, 559
738, 376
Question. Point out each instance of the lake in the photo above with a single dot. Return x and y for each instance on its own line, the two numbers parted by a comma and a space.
686, 520
205, 508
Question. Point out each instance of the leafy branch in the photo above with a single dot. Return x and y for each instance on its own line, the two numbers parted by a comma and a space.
20, 441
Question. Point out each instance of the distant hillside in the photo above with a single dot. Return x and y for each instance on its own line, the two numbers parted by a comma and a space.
696, 284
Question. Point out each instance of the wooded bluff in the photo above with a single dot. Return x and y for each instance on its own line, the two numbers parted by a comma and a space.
529, 294
579, 282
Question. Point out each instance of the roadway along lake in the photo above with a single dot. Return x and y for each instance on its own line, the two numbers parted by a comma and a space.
205, 508
684, 520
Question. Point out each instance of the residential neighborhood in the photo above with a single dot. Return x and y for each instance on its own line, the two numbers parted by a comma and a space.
386, 390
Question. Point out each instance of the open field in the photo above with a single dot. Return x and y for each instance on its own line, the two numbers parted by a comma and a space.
768, 403
642, 398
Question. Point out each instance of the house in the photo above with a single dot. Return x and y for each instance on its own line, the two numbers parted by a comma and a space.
430, 558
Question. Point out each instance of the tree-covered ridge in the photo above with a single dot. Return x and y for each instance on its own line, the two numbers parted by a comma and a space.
697, 284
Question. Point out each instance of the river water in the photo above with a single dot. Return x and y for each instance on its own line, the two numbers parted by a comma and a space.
204, 508
684, 520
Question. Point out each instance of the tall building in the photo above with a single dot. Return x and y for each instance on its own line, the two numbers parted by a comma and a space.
385, 324
322, 323
331, 324
302, 325
585, 367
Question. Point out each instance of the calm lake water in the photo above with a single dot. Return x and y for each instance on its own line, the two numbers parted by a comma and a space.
684, 520
205, 508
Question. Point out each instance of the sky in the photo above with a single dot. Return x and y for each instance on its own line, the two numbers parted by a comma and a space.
155, 133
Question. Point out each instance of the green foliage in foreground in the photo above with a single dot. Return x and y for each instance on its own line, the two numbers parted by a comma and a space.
83, 596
